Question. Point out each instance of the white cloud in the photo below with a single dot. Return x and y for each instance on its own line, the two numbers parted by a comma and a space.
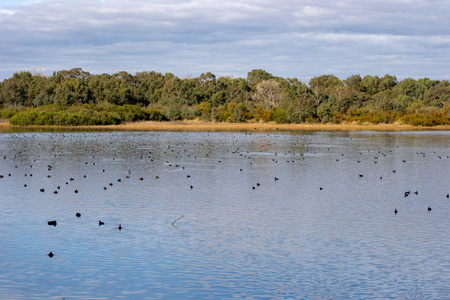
6, 12
289, 38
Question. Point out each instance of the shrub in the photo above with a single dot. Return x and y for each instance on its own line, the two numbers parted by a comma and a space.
173, 112
204, 109
24, 118
63, 118
44, 118
222, 114
7, 113
155, 115
324, 112
311, 120
131, 113
276, 115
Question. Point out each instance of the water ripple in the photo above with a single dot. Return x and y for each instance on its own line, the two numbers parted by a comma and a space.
224, 215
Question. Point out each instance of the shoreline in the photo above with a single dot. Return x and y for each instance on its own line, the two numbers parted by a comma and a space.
213, 126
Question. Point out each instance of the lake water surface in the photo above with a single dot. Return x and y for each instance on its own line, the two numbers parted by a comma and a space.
305, 215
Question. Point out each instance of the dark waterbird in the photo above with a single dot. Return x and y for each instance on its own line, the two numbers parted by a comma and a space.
78, 215
429, 208
395, 211
52, 223
100, 223
120, 227
51, 254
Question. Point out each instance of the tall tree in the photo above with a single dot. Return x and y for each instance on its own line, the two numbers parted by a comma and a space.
268, 92
256, 76
323, 84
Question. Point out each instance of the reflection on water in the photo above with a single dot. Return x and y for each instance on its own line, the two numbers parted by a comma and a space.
204, 217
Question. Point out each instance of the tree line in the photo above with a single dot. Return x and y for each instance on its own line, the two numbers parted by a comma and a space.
76, 97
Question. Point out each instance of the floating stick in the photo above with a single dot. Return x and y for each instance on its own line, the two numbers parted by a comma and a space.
173, 223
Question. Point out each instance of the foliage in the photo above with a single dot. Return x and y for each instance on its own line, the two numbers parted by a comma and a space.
80, 115
205, 109
76, 97
155, 115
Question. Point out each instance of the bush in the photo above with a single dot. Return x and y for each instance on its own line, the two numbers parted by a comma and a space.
173, 112
7, 113
276, 115
240, 112
155, 115
426, 119
62, 118
311, 120
204, 110
131, 113
24, 118
324, 112
222, 114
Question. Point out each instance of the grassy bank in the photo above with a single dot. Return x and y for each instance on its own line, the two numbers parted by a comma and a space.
213, 126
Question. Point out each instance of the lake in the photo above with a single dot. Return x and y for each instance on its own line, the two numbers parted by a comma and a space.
280, 215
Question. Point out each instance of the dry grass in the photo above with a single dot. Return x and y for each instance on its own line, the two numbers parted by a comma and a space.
212, 126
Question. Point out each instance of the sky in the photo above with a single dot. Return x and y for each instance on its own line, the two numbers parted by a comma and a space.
288, 38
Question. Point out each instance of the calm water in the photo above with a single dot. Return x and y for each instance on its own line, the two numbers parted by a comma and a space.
326, 229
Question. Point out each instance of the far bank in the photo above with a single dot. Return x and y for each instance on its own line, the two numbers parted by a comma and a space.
216, 126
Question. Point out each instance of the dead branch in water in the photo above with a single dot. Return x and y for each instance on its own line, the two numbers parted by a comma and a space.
173, 223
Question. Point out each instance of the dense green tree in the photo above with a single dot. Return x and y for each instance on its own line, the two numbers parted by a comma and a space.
387, 82
369, 84
353, 82
149, 87
15, 90
439, 93
72, 73
407, 87
256, 76
322, 85
220, 98
295, 90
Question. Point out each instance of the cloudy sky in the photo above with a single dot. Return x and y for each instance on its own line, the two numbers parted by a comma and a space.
288, 38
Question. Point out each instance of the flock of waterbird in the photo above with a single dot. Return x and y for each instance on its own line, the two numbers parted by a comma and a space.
174, 152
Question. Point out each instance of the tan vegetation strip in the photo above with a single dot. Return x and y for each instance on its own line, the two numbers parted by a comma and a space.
208, 126
212, 126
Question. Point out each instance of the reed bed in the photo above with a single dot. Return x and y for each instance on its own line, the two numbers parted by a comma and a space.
214, 126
